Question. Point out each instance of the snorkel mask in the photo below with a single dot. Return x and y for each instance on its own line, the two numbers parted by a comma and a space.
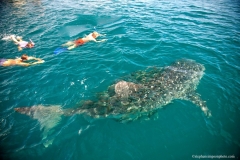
30, 44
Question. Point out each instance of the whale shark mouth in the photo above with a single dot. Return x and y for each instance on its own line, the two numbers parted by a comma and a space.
136, 95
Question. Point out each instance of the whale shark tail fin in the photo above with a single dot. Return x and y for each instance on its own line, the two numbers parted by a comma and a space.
47, 116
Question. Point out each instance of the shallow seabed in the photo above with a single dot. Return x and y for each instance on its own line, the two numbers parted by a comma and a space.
140, 34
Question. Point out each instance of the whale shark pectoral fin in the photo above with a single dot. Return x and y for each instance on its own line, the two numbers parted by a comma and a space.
196, 99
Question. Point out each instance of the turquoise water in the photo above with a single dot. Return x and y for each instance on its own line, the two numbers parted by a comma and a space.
140, 34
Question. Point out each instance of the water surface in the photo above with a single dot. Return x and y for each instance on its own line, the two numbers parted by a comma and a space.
140, 34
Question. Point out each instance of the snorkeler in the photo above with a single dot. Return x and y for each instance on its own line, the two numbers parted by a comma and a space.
20, 61
91, 37
22, 44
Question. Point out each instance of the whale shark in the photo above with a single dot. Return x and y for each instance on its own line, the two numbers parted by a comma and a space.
139, 94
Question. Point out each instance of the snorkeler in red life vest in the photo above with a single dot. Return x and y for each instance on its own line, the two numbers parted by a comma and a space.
22, 44
81, 41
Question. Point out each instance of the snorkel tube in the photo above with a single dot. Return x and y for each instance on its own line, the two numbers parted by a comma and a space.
32, 42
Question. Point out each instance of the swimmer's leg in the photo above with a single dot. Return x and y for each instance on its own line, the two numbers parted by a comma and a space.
69, 43
71, 47
14, 39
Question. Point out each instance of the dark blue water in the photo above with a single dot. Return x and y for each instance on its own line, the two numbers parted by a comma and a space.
140, 34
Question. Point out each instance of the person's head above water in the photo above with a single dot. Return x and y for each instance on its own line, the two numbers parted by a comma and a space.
95, 34
24, 57
30, 45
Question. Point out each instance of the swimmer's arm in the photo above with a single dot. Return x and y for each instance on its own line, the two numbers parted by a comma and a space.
103, 40
101, 34
24, 64
29, 58
28, 64
39, 61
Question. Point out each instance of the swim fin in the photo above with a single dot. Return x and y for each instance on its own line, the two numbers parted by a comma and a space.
59, 50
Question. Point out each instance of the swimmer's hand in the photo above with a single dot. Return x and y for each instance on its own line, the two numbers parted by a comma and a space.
103, 40
42, 61
102, 34
39, 61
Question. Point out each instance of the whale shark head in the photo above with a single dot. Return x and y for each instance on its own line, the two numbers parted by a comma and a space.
143, 92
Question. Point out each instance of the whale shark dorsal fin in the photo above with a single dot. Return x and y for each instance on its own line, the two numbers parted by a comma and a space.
196, 99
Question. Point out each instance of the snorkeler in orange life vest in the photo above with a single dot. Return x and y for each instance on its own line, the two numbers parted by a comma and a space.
91, 37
